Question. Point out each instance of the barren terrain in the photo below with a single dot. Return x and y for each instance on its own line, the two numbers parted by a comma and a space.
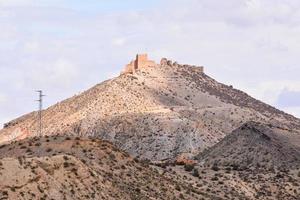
164, 132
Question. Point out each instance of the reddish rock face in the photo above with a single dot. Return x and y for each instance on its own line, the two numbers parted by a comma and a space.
182, 160
141, 61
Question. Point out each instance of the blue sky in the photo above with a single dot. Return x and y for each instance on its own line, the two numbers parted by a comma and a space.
65, 47
94, 6
88, 6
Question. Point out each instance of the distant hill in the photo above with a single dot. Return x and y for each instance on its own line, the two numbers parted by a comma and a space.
181, 135
157, 112
255, 145
255, 161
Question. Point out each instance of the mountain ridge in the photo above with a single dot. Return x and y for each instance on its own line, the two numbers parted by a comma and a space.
157, 131
185, 111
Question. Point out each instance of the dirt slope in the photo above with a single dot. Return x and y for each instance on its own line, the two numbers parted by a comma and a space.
255, 161
256, 145
75, 168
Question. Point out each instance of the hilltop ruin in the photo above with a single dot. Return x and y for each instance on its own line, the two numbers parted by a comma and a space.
141, 61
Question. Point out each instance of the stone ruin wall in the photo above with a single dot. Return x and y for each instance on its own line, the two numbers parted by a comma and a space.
142, 61
166, 62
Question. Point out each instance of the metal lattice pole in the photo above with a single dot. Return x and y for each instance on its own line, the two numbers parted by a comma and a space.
40, 100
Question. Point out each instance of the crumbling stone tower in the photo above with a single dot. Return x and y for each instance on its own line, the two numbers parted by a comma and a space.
141, 61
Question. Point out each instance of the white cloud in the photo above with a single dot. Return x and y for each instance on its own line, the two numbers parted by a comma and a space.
3, 98
63, 73
60, 73
293, 110
289, 98
31, 46
252, 44
118, 41
16, 2
269, 91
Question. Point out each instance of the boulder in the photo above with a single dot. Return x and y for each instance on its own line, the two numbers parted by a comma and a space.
163, 61
169, 62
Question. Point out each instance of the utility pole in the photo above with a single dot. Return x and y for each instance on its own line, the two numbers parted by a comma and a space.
40, 100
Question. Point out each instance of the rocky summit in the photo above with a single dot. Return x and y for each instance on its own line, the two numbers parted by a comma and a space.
196, 131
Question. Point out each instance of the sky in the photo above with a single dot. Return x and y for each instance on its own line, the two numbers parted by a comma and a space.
66, 46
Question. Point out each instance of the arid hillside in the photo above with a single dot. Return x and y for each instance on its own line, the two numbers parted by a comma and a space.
63, 167
256, 145
74, 168
158, 113
165, 131
255, 161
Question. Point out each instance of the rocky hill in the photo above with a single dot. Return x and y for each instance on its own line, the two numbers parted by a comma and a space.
63, 167
158, 113
255, 161
255, 145
186, 136
75, 168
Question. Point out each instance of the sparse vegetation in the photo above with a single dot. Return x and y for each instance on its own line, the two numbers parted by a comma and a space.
116, 168
215, 167
188, 112
195, 172
188, 167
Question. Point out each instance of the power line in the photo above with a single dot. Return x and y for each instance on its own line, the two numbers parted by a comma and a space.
40, 100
